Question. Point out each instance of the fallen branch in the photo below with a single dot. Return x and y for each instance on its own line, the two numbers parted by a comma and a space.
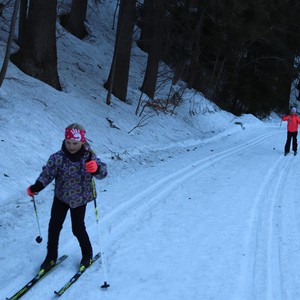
141, 123
112, 124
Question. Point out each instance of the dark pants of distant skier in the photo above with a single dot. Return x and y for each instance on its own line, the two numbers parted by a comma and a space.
291, 135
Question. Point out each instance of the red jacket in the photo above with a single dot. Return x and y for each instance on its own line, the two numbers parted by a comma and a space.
293, 121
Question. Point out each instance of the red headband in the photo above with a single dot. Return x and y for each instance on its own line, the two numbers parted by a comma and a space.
75, 134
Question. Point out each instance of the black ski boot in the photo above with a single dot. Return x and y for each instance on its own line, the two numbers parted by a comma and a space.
49, 262
87, 257
86, 262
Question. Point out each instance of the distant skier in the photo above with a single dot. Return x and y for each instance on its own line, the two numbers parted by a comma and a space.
292, 131
73, 168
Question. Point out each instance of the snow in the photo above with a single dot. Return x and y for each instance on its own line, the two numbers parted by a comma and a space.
197, 205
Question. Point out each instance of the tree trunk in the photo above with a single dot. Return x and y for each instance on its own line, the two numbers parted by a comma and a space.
154, 14
22, 22
118, 77
37, 56
150, 78
9, 43
195, 47
145, 23
1, 8
74, 22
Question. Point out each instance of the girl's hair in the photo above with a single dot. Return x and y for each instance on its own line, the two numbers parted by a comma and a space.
76, 126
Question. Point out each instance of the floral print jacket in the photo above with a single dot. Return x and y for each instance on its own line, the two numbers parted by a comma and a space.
73, 184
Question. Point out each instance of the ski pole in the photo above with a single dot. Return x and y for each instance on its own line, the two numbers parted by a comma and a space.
105, 284
39, 237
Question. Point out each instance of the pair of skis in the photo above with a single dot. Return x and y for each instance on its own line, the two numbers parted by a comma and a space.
42, 274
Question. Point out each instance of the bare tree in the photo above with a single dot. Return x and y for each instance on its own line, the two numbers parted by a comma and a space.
9, 43
22, 21
153, 19
117, 82
1, 8
74, 21
37, 56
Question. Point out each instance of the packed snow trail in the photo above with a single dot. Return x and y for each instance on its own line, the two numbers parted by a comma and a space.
250, 235
263, 268
220, 221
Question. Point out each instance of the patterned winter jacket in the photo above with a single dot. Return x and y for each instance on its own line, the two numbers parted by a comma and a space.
73, 184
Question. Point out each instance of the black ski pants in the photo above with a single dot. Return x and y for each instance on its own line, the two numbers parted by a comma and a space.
290, 136
58, 214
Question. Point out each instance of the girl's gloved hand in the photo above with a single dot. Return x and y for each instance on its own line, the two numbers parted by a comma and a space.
91, 166
29, 192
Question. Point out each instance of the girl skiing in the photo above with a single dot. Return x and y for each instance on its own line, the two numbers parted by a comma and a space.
73, 168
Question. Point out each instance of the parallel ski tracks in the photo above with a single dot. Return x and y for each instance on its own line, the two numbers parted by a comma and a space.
120, 219
261, 268
261, 274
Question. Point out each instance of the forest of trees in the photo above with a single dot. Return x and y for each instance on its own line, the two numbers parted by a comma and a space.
241, 54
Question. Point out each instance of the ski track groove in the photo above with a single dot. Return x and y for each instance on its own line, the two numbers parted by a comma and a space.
120, 219
261, 272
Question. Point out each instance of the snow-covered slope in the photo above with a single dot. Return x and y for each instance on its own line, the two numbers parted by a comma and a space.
197, 205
